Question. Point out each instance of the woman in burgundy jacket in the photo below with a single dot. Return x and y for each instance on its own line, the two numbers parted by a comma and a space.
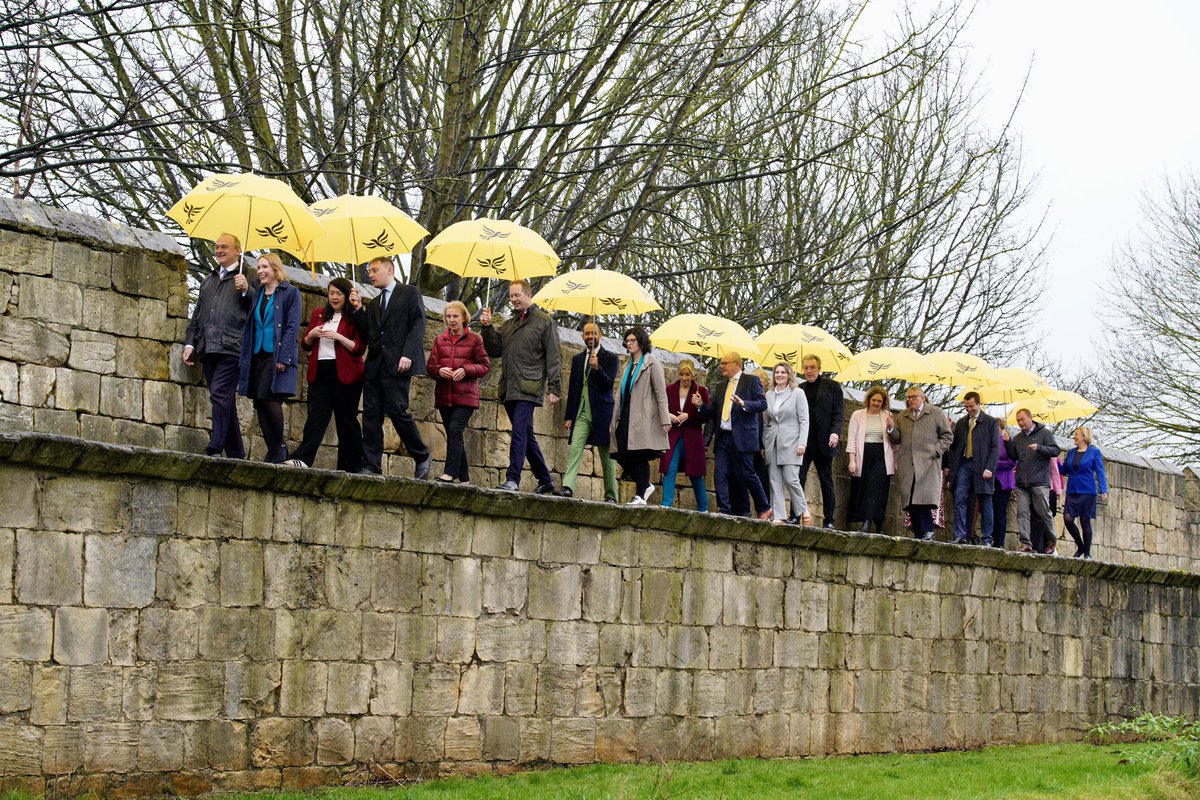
335, 380
457, 361
686, 400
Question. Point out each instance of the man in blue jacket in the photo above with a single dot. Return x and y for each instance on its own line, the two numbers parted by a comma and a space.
589, 413
734, 421
972, 467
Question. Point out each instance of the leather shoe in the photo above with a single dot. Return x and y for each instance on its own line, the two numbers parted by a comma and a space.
368, 471
926, 537
793, 520
509, 486
566, 491
547, 488
422, 469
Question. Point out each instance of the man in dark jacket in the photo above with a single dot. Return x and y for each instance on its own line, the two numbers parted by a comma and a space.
734, 426
589, 413
972, 467
528, 343
826, 412
393, 325
1032, 448
214, 336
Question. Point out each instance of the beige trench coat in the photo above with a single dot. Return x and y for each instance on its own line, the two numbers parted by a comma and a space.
922, 442
647, 407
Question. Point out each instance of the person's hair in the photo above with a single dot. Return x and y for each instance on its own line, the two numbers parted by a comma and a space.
973, 396
344, 286
643, 338
687, 363
382, 260
763, 376
811, 357
526, 286
731, 355
276, 265
791, 373
236, 241
461, 308
1085, 432
1024, 411
876, 390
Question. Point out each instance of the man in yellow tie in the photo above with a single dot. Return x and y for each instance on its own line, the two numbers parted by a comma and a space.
971, 467
735, 435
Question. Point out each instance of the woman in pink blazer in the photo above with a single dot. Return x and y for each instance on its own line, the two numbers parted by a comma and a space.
872, 460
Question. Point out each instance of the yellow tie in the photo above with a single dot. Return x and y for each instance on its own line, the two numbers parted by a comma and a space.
727, 406
970, 438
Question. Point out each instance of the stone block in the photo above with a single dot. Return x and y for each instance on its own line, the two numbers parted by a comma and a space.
16, 684
349, 689
153, 322
76, 263
92, 352
94, 694
160, 747
661, 550
505, 585
250, 688
501, 739
640, 692
492, 537
50, 300
218, 744
435, 690
138, 692
555, 594
703, 598
378, 636
662, 596
241, 573
281, 742
76, 391
28, 341
572, 643
62, 749
383, 527
165, 635
27, 253
155, 504
19, 499
190, 691
121, 397
10, 382
420, 739
395, 584
393, 687
80, 636
120, 571
507, 639
335, 741
465, 587
348, 575
374, 739
447, 532
138, 434
162, 403
302, 692
48, 700
20, 750
231, 634
8, 545
416, 637
534, 740
142, 359
464, 739
188, 573
738, 591
49, 567
569, 544
62, 423
36, 385
456, 640
687, 647
796, 649
573, 741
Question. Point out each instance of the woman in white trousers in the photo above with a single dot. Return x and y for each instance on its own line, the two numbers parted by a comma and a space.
784, 436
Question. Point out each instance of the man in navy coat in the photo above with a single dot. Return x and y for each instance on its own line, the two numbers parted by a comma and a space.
588, 414
735, 418
972, 466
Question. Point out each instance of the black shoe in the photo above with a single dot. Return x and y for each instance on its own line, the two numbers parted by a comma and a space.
829, 525
566, 491
211, 451
926, 537
547, 488
793, 520
369, 471
421, 471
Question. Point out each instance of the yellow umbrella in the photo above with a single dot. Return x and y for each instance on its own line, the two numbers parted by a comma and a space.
706, 335
794, 343
492, 248
262, 212
359, 229
1010, 385
887, 362
1054, 407
595, 292
953, 368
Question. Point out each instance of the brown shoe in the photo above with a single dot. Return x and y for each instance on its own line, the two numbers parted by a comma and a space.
765, 516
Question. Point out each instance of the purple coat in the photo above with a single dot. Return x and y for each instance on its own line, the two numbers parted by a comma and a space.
1006, 472
695, 456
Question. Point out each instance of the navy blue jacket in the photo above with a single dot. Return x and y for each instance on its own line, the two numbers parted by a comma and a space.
288, 308
746, 422
600, 393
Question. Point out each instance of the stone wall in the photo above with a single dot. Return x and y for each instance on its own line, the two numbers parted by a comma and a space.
176, 624
94, 313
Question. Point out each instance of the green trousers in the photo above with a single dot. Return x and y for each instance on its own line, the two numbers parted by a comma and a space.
580, 431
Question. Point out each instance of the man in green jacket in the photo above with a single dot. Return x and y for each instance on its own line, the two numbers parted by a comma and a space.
531, 365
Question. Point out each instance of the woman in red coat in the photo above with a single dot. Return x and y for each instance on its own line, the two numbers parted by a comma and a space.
457, 361
686, 400
335, 380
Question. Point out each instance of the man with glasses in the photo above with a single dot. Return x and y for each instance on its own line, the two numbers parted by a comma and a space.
393, 324
734, 425
528, 343
923, 434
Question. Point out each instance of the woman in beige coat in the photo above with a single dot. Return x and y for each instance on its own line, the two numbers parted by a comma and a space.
922, 435
641, 420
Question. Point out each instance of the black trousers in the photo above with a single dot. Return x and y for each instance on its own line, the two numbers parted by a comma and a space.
328, 396
816, 455
221, 374
383, 396
1000, 500
455, 419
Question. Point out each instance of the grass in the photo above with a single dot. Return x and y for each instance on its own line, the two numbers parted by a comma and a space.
1038, 772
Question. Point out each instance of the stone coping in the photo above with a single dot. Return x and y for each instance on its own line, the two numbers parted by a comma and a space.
69, 454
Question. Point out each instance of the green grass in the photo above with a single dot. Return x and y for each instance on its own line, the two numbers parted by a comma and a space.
1049, 772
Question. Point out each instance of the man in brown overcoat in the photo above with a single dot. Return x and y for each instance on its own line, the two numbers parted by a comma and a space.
923, 435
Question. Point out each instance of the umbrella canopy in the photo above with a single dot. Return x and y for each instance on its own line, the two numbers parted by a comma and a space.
954, 368
262, 212
887, 362
705, 335
1054, 407
359, 229
1010, 385
596, 292
794, 343
492, 248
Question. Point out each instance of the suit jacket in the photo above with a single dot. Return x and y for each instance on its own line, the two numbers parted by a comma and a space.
746, 422
826, 413
985, 450
786, 428
392, 334
349, 363
600, 392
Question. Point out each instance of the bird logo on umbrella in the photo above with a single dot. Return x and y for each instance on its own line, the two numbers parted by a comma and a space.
273, 232
574, 286
220, 184
706, 333
614, 302
490, 233
494, 264
875, 367
190, 211
380, 241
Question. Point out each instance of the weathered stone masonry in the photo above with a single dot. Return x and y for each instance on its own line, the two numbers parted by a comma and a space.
173, 623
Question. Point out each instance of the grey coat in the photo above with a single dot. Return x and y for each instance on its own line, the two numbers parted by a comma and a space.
785, 429
922, 443
1033, 466
531, 363
219, 320
647, 411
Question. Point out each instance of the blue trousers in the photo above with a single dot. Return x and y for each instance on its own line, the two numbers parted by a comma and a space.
524, 444
733, 471
964, 492
698, 486
221, 374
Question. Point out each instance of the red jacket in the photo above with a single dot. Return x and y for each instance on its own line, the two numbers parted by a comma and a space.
467, 352
349, 362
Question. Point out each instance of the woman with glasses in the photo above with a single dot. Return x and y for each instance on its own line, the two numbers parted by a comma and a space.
641, 419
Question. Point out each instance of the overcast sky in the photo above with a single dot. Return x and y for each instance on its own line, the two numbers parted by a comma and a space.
1109, 110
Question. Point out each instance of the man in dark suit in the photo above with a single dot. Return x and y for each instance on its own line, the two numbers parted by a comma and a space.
735, 417
826, 412
393, 324
972, 465
589, 413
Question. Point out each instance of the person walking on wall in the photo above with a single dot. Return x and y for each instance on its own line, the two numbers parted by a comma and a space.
457, 361
530, 371
589, 410
393, 323
1032, 449
214, 338
922, 435
1005, 482
734, 427
1083, 468
640, 420
826, 412
785, 438
872, 460
972, 468
687, 401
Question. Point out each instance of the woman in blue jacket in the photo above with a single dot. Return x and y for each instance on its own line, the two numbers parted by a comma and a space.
1084, 469
269, 355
